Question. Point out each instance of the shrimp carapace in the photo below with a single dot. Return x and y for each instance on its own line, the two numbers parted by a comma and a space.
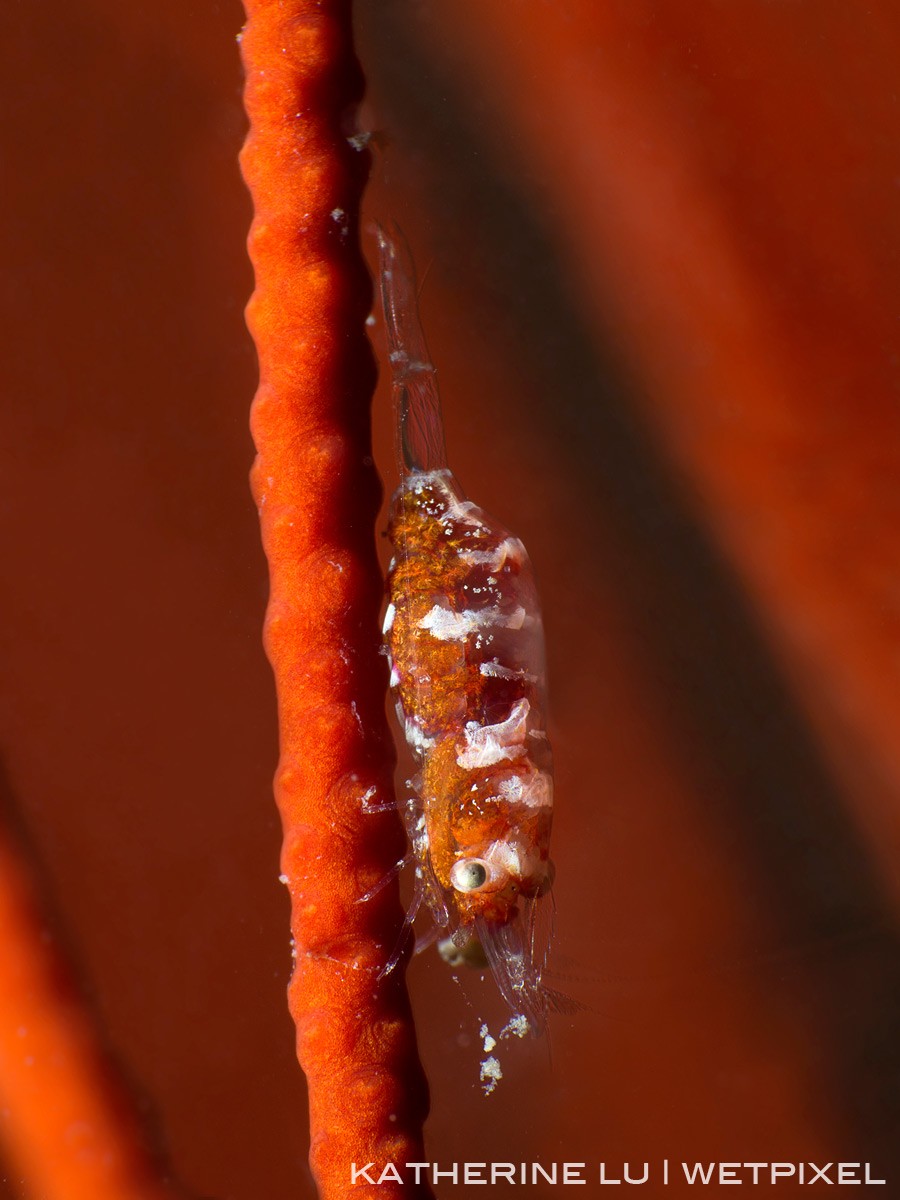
464, 635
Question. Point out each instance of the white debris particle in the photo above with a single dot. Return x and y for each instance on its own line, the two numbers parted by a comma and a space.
489, 1042
516, 1026
491, 1074
283, 879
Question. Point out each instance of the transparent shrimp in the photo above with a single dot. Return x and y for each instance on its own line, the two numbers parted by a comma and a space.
464, 636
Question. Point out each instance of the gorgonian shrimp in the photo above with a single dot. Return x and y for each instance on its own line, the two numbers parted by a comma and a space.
464, 636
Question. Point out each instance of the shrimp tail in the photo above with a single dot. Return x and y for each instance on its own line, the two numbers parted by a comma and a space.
417, 403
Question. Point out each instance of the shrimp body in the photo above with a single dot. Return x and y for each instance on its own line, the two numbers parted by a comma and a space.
464, 636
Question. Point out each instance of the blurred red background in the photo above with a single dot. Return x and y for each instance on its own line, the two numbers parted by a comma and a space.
662, 287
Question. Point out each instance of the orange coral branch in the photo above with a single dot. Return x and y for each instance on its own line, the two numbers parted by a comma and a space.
65, 1124
318, 498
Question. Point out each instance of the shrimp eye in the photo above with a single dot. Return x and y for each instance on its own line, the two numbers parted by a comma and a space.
469, 874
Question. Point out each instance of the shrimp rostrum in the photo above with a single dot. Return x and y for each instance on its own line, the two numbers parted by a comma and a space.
464, 636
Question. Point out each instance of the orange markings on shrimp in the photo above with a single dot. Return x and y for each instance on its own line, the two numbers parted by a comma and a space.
465, 639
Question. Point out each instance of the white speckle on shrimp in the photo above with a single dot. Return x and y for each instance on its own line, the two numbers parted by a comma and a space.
508, 855
449, 626
390, 613
489, 744
495, 670
462, 511
534, 791
510, 548
418, 740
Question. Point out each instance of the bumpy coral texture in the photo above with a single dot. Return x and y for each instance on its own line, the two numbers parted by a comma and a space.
318, 496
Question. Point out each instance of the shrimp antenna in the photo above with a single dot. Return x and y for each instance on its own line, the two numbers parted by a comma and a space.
417, 404
421, 283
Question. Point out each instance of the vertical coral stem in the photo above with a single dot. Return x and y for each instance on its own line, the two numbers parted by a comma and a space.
318, 497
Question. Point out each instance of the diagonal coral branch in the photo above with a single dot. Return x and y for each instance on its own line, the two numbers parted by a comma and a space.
318, 498
66, 1126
